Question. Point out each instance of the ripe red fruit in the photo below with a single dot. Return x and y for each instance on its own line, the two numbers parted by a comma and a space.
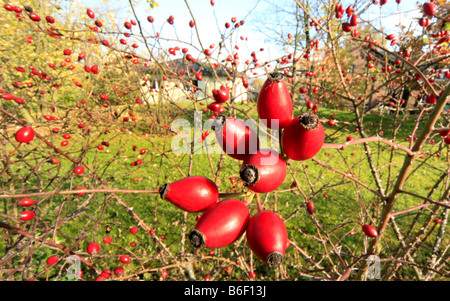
26, 215
90, 13
106, 273
310, 207
52, 260
118, 271
78, 170
235, 137
221, 95
274, 102
134, 230
54, 161
447, 140
370, 231
125, 259
191, 194
26, 202
346, 27
93, 248
444, 133
221, 224
424, 22
8, 96
25, 134
303, 138
437, 220
431, 99
35, 17
354, 21
50, 19
81, 188
267, 237
215, 106
164, 274
263, 171
429, 8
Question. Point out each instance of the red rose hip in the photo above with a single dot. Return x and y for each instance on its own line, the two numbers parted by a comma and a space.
25, 134
264, 171
235, 137
303, 138
267, 237
220, 225
370, 231
274, 102
191, 194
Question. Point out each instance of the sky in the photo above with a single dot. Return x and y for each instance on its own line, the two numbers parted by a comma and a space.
210, 21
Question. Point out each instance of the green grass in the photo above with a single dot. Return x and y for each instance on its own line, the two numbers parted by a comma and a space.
341, 204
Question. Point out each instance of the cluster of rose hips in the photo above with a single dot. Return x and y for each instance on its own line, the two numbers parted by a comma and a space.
261, 170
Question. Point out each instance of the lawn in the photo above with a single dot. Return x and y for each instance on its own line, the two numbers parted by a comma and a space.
341, 203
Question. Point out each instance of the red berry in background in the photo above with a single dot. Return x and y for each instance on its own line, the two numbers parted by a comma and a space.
221, 224
25, 134
26, 202
303, 138
134, 230
215, 106
235, 137
221, 95
447, 140
54, 161
354, 21
437, 220
52, 260
78, 170
35, 17
81, 188
346, 27
93, 248
50, 19
310, 207
191, 194
106, 273
26, 215
444, 133
370, 231
125, 259
264, 171
8, 96
431, 99
90, 13
429, 8
274, 102
118, 271
267, 237
107, 240
164, 274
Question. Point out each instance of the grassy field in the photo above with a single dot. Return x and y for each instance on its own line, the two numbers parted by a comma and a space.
341, 204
